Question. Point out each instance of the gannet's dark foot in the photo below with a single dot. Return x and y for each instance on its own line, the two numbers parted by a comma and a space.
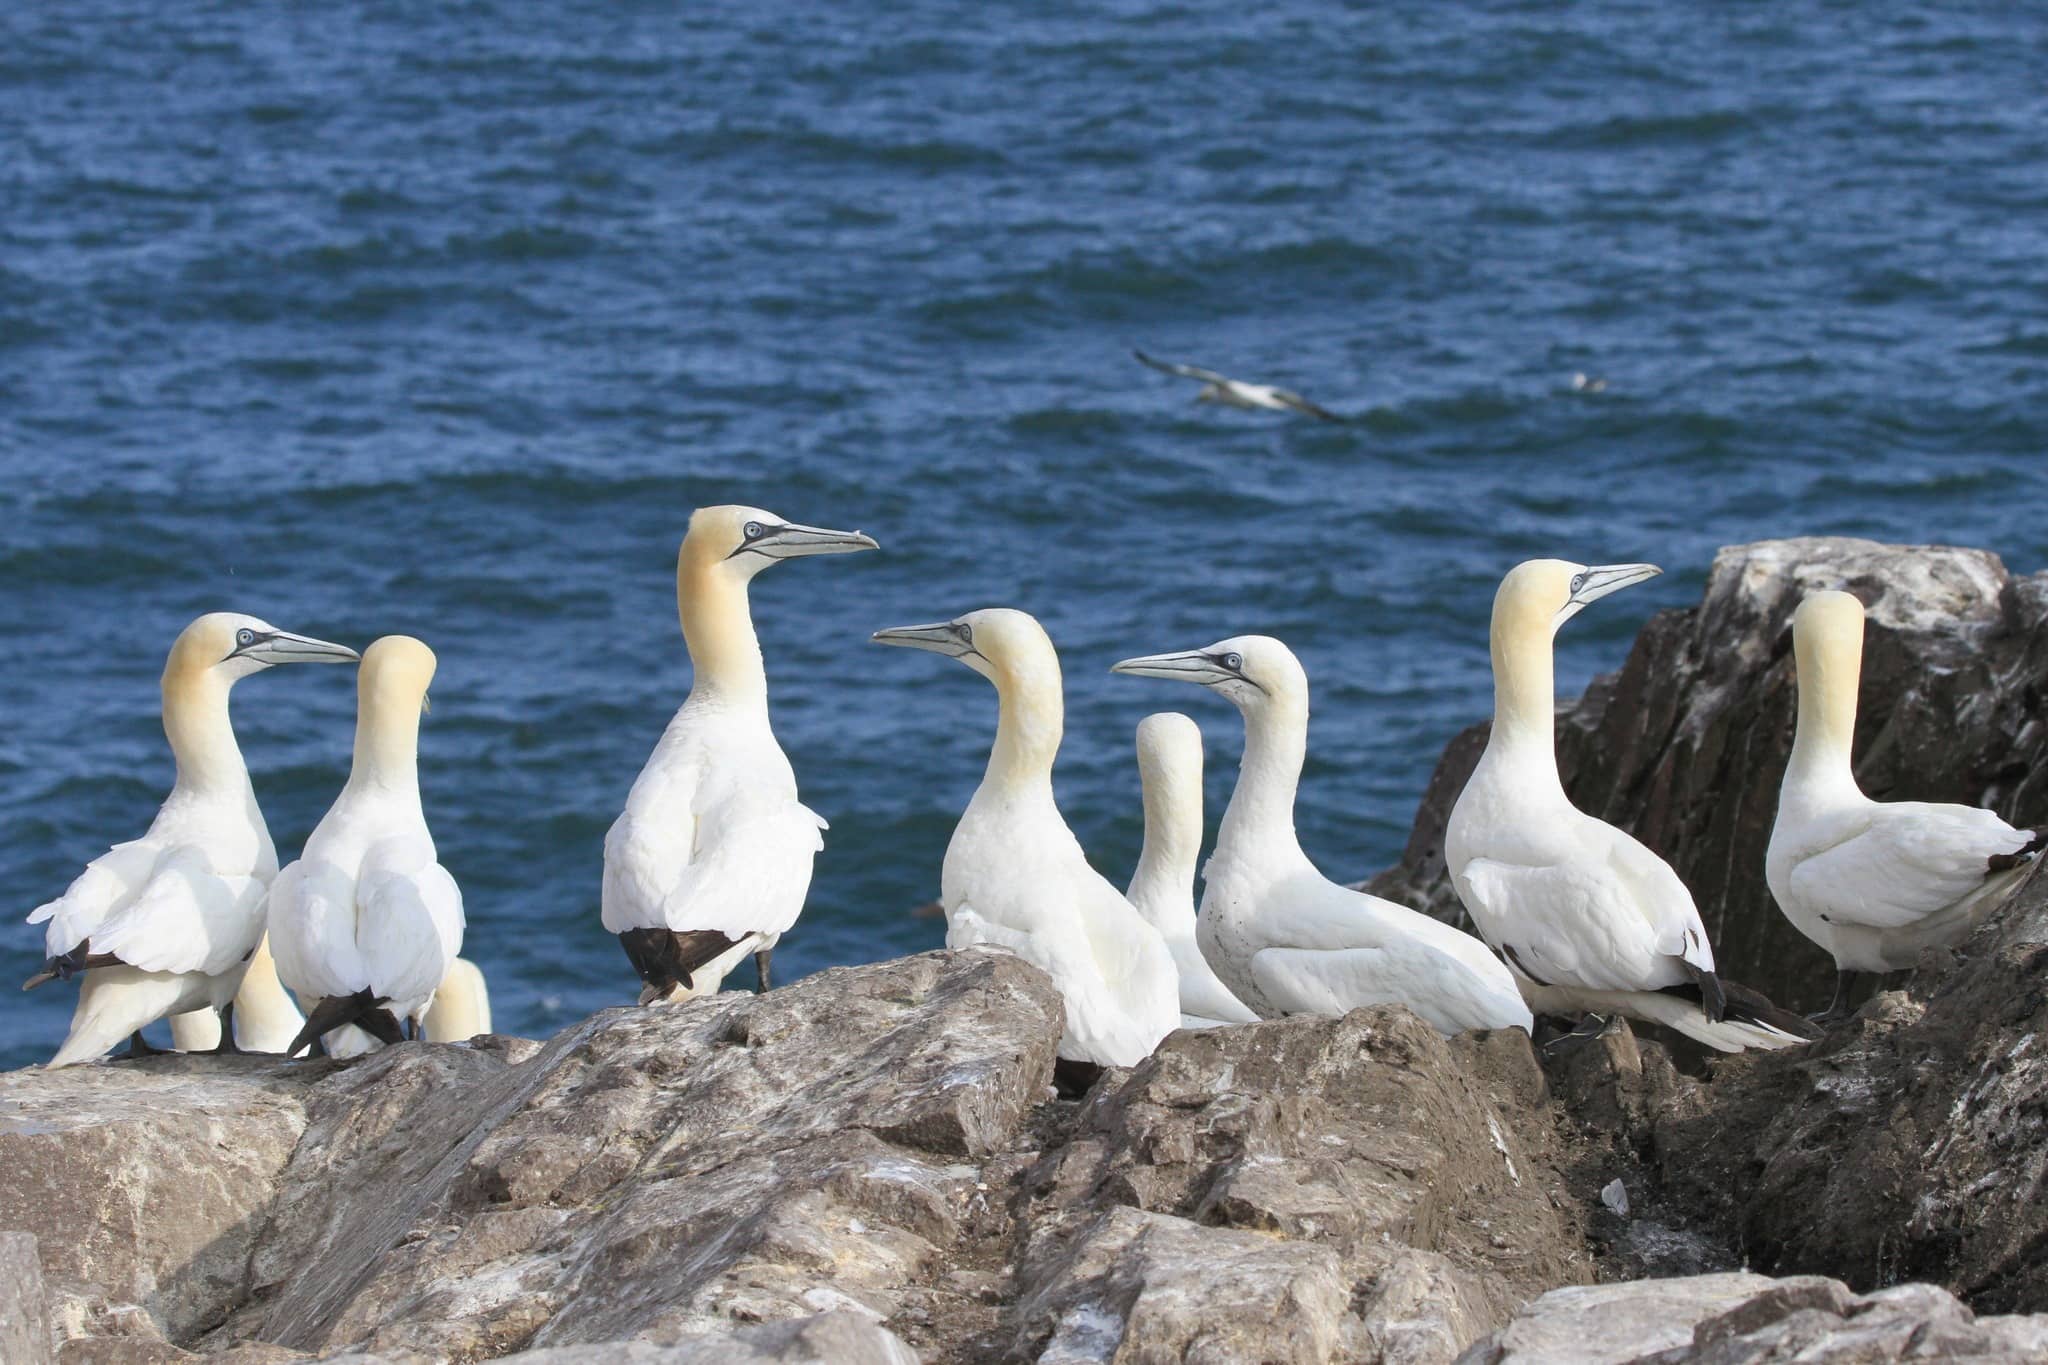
761, 968
412, 1030
1588, 1027
138, 1048
226, 1047
1072, 1079
1838, 1008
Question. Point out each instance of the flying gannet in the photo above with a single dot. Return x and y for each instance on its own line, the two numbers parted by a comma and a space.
1283, 937
1591, 921
265, 1019
1873, 882
711, 858
365, 922
164, 924
1163, 887
1236, 393
1015, 876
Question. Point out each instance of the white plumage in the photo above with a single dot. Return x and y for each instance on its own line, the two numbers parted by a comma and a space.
1015, 876
1162, 888
711, 858
264, 1018
164, 924
1873, 883
1281, 936
1590, 919
366, 922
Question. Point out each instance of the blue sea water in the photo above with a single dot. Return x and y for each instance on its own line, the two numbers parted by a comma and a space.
440, 319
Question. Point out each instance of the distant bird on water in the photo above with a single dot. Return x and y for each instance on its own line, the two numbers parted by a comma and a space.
711, 858
1236, 393
1588, 383
1873, 882
165, 924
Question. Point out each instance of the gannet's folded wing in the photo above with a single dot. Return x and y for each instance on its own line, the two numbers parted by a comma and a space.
649, 847
411, 929
1653, 886
1202, 994
1565, 924
751, 869
1914, 859
1099, 1027
186, 918
109, 882
1450, 988
312, 921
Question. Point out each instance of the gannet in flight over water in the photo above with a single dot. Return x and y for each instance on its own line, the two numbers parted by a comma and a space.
1014, 874
1283, 937
711, 858
1236, 393
364, 924
164, 924
1591, 921
1873, 882
1163, 887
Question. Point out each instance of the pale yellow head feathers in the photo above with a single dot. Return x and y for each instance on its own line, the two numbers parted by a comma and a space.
395, 675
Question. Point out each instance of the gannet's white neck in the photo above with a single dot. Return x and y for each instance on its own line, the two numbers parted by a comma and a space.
718, 629
1030, 719
195, 709
1827, 645
1524, 692
1260, 815
1170, 771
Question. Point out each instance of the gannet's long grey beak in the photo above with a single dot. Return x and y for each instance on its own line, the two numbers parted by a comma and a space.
1192, 665
950, 638
1603, 579
793, 541
283, 647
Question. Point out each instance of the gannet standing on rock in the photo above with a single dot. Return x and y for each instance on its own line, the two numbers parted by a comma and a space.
366, 921
1873, 882
1283, 937
165, 924
1163, 887
711, 858
1014, 874
1591, 921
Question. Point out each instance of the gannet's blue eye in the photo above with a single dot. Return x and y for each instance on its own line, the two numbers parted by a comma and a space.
752, 530
244, 638
1233, 661
1578, 581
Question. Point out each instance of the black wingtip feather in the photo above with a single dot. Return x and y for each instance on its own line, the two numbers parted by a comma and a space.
2020, 857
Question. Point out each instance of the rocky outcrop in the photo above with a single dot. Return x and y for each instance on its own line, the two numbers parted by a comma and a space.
1742, 1319
869, 1165
1686, 744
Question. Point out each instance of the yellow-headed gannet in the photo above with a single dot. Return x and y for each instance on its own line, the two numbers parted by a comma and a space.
1163, 887
1236, 393
1591, 921
264, 1017
1014, 874
711, 858
462, 1007
164, 924
1283, 937
364, 924
1873, 883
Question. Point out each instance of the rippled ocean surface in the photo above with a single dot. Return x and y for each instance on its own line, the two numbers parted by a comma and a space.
368, 319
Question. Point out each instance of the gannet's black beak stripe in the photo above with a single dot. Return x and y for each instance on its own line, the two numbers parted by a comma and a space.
283, 647
1194, 665
954, 639
790, 541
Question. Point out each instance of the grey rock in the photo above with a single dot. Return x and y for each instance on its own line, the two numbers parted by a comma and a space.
1744, 1319
24, 1320
835, 1338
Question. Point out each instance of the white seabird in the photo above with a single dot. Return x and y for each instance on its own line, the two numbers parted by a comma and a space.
164, 924
1014, 874
1163, 887
1236, 393
365, 922
264, 1017
462, 1006
1591, 921
1873, 882
711, 858
1283, 937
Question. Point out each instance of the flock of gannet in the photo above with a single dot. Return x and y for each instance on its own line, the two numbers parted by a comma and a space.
711, 859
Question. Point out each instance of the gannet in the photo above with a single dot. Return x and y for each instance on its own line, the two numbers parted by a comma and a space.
1591, 921
265, 1019
364, 924
1236, 393
462, 1006
1015, 876
1873, 882
1163, 887
1283, 937
711, 858
1585, 383
163, 924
